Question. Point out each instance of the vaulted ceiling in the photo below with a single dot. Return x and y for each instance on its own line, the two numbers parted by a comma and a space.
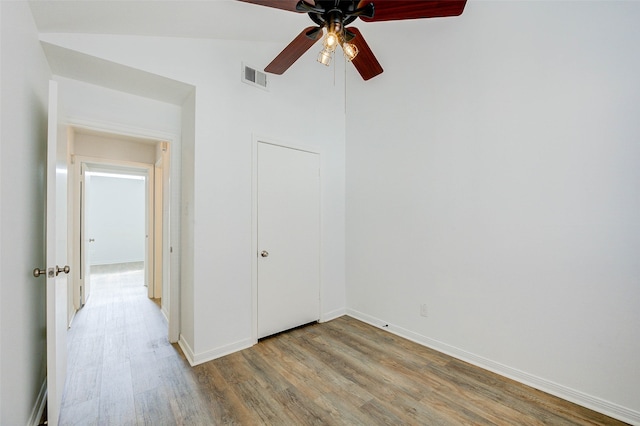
215, 19
208, 19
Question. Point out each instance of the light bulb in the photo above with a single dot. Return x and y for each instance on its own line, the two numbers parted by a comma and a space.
350, 51
330, 42
324, 57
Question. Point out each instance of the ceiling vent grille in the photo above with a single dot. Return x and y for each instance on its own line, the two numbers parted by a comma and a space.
254, 77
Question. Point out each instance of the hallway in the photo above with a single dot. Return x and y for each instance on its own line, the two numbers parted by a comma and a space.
121, 368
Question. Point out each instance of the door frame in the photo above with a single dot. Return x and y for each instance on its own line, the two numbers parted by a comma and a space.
170, 261
256, 139
94, 164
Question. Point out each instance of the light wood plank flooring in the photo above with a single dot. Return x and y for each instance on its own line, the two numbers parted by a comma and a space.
123, 371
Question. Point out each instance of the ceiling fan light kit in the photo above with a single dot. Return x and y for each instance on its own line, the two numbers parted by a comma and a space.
331, 40
350, 51
334, 16
324, 57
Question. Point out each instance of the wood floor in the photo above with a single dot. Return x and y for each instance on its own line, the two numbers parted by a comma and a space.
123, 371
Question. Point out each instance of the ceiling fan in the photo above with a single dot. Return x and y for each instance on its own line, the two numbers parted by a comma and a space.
335, 15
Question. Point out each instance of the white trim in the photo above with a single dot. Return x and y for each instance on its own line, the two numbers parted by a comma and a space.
186, 349
597, 404
254, 223
120, 129
285, 144
254, 239
328, 316
165, 314
159, 239
108, 164
196, 359
39, 406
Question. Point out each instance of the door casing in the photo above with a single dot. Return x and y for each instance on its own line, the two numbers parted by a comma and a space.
169, 288
80, 246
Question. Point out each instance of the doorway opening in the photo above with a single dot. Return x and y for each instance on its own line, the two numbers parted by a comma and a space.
120, 203
114, 216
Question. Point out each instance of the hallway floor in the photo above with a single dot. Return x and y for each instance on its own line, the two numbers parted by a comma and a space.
122, 370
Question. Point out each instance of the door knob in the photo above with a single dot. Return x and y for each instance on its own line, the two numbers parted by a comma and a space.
37, 272
91, 240
66, 269
264, 253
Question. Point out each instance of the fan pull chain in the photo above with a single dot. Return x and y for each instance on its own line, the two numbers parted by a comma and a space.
334, 73
345, 91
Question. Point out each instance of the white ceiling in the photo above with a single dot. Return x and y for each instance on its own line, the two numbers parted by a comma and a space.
210, 19
215, 19
78, 66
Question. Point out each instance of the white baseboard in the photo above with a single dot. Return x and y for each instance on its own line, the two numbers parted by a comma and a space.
195, 359
561, 391
328, 316
186, 349
38, 407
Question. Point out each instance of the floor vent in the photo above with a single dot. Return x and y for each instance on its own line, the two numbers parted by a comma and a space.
254, 77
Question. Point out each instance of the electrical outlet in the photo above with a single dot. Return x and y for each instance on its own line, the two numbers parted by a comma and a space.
423, 310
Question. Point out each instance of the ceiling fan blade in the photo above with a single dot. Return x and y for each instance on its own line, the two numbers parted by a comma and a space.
395, 10
365, 62
307, 38
278, 4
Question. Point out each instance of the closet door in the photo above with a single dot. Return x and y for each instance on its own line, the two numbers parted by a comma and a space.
288, 238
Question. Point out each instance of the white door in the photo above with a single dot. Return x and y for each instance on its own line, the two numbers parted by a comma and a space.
288, 238
56, 261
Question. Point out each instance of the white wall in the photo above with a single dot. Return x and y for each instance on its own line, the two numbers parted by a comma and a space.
227, 115
89, 104
492, 174
117, 222
24, 87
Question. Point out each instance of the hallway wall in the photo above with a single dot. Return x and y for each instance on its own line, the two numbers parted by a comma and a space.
116, 219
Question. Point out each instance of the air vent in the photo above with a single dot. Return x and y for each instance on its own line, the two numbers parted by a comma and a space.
254, 77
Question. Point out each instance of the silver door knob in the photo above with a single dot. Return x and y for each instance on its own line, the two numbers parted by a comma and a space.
91, 240
264, 253
37, 272
66, 269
